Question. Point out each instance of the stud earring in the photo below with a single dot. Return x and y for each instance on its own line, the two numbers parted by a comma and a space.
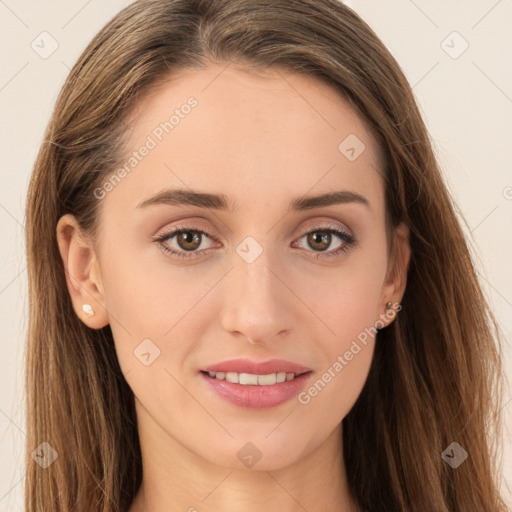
388, 306
87, 309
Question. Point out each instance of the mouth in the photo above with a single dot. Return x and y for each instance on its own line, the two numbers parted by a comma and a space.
255, 385
252, 379
252, 368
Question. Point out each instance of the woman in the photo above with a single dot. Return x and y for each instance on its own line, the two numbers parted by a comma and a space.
248, 285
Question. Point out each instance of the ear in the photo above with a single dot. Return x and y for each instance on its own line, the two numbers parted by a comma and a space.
82, 272
396, 277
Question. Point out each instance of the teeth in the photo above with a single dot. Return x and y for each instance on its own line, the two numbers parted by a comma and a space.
232, 377
249, 379
267, 380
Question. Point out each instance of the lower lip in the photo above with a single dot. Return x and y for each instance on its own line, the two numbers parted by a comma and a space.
257, 397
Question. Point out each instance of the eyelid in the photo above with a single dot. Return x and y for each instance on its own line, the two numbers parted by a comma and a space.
193, 227
327, 224
190, 225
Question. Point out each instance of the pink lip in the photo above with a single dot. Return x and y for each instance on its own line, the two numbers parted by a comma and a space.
257, 397
262, 368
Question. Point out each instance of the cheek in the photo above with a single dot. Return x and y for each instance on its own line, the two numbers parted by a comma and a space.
346, 299
347, 303
333, 391
148, 298
145, 293
350, 311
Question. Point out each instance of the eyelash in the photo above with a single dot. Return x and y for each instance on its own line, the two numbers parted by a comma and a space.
348, 241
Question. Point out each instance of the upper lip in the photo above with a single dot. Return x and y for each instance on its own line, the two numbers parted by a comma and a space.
257, 368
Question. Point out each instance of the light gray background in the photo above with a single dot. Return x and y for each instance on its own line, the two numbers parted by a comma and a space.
466, 102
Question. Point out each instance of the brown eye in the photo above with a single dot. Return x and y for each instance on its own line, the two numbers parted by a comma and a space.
185, 242
327, 241
188, 240
319, 240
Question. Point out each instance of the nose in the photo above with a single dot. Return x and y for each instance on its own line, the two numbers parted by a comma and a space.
258, 305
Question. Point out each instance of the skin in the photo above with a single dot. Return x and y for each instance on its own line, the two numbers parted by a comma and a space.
261, 139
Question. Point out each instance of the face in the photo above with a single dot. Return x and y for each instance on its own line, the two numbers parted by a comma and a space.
253, 269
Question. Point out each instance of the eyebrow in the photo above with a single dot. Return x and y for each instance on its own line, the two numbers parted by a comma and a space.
181, 197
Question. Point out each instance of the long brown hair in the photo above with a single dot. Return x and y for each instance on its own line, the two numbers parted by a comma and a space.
436, 375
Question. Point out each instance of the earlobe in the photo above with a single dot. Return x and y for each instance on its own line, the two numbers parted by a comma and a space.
82, 273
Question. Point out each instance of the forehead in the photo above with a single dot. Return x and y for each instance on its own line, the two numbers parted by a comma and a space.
257, 132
